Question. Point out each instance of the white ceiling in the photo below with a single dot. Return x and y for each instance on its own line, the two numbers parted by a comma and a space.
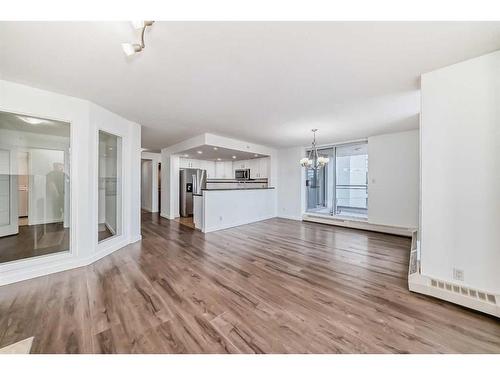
218, 154
263, 82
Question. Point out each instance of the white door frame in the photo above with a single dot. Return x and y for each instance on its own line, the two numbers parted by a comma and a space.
12, 227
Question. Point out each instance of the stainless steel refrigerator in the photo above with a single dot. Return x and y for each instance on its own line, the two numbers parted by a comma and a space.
191, 181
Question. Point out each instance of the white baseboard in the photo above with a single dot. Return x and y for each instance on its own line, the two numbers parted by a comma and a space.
464, 296
290, 217
357, 224
135, 238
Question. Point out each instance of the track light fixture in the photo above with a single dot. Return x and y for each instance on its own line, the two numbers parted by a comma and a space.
133, 48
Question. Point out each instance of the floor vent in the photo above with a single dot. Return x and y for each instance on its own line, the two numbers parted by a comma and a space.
482, 296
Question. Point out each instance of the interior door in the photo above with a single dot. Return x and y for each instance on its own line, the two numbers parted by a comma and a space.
8, 193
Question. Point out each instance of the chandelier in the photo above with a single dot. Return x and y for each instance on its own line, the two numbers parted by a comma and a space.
313, 160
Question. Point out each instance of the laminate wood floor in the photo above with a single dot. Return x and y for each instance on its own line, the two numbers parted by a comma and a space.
33, 241
277, 286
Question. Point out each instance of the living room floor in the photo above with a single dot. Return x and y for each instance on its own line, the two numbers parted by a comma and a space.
276, 286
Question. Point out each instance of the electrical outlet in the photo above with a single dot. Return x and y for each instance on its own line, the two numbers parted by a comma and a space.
458, 274
220, 218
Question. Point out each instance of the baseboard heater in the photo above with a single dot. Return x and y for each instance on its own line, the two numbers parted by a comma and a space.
472, 298
357, 224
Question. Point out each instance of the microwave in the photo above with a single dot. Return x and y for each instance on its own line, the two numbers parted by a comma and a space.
242, 174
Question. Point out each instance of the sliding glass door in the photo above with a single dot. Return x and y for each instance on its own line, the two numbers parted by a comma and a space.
351, 188
341, 187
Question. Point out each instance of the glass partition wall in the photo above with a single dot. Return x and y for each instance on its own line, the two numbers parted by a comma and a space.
109, 186
34, 187
341, 187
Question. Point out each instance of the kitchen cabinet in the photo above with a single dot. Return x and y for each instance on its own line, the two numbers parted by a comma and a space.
259, 168
263, 167
224, 169
209, 166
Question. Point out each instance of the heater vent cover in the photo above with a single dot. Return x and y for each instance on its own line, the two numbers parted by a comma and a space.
471, 293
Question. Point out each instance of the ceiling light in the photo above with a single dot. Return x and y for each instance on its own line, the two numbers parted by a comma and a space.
133, 48
313, 160
234, 157
219, 159
199, 152
33, 120
216, 148
255, 155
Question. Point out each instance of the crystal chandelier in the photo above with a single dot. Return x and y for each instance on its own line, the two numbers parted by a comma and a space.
313, 160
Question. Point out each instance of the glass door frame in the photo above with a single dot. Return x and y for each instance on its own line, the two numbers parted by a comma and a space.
110, 242
333, 176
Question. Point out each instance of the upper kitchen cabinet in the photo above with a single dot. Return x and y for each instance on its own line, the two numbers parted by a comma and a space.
258, 167
190, 163
263, 167
209, 166
224, 169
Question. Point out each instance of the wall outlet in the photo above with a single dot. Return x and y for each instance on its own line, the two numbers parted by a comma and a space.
220, 218
458, 274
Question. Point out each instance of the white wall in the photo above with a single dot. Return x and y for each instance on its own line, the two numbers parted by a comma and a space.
460, 148
392, 198
230, 208
393, 179
85, 118
291, 189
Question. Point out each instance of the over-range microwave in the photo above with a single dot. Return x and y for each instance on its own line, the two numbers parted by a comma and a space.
242, 174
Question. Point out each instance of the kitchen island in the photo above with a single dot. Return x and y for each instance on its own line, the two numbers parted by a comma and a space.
216, 209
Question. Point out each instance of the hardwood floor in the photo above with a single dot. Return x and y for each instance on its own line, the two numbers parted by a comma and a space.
277, 286
33, 241
187, 221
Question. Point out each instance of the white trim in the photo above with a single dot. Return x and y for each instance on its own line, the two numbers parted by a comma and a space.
357, 224
290, 217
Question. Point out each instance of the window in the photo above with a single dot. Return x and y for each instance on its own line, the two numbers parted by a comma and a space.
34, 187
341, 187
109, 186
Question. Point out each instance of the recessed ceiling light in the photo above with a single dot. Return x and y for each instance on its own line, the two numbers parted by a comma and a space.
199, 152
216, 148
255, 155
234, 157
186, 155
219, 159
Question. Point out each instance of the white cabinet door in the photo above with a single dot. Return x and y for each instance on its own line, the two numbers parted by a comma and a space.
219, 169
254, 165
263, 167
209, 166
8, 193
194, 163
228, 169
241, 164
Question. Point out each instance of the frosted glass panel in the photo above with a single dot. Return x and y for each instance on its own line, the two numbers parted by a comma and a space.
109, 186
